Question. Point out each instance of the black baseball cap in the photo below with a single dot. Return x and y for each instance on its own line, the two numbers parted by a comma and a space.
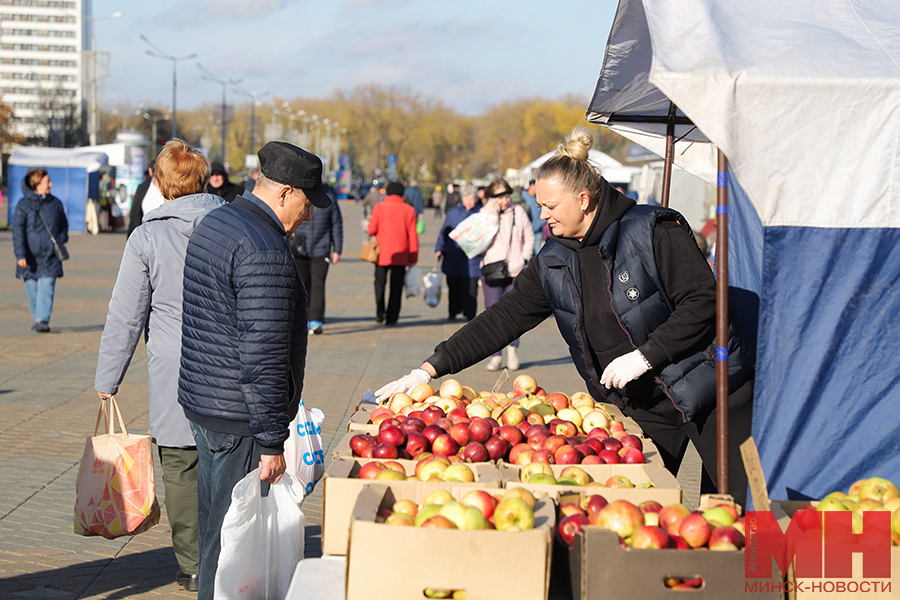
286, 163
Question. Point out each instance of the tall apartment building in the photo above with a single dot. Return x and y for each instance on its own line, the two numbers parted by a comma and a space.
42, 44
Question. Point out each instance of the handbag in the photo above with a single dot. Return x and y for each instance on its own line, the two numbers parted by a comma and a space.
369, 251
115, 492
60, 250
496, 274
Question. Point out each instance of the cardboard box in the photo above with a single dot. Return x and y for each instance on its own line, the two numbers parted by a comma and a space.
827, 588
341, 486
360, 420
667, 490
398, 563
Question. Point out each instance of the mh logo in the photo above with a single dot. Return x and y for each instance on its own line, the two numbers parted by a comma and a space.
822, 543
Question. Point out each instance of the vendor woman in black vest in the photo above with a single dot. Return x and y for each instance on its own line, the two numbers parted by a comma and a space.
634, 299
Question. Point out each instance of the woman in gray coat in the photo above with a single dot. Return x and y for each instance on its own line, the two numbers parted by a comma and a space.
147, 298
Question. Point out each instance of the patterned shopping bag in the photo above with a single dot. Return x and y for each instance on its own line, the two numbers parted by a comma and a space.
115, 493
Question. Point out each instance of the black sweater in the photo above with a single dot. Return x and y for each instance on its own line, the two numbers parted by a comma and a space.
685, 275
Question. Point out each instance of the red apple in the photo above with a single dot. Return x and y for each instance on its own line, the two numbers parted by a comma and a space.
523, 426
437, 522
571, 508
678, 543
481, 500
366, 452
457, 414
476, 452
695, 530
569, 526
412, 424
537, 440
392, 435
593, 503
431, 414
480, 430
497, 447
612, 444
726, 538
618, 481
650, 506
535, 429
370, 470
444, 444
524, 384
632, 456
511, 435
649, 536
609, 457
431, 432
444, 423
567, 455
632, 441
416, 444
358, 442
672, 516
384, 450
553, 443
566, 429
460, 433
592, 459
516, 450
599, 433
596, 444
558, 401
543, 456
620, 516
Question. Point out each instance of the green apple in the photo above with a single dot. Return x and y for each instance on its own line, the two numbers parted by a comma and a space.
464, 517
428, 511
543, 478
878, 488
720, 515
438, 497
830, 503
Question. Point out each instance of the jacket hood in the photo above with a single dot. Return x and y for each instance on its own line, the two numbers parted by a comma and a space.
186, 212
612, 206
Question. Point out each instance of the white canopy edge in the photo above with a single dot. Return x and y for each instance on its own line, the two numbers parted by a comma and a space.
803, 97
58, 157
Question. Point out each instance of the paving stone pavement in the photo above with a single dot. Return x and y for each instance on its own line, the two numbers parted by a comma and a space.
48, 407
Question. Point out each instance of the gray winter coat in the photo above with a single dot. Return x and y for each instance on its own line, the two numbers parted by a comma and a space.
148, 292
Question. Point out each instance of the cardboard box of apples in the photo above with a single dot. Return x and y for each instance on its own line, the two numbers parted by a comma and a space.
519, 427
654, 548
454, 552
346, 478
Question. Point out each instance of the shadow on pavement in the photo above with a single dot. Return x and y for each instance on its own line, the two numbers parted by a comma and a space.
99, 577
77, 329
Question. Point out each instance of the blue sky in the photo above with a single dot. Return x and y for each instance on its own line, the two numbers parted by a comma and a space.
469, 54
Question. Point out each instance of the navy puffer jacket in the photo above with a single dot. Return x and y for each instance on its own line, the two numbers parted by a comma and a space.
244, 329
31, 240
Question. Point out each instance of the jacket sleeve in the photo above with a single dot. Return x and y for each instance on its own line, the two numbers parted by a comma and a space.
442, 235
20, 230
373, 220
413, 238
264, 284
337, 229
519, 310
528, 234
690, 285
62, 235
129, 309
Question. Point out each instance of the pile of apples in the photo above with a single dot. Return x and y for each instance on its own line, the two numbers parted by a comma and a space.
519, 428
871, 494
651, 525
512, 511
538, 472
432, 468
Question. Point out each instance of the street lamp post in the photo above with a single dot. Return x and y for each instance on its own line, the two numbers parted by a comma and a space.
208, 76
158, 52
94, 121
154, 120
253, 99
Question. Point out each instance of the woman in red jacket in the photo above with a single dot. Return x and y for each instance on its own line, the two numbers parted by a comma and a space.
393, 224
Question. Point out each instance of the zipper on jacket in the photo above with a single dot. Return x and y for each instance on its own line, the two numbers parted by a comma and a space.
582, 337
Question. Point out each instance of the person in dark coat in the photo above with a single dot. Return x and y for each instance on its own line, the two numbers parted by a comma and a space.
136, 215
244, 336
39, 215
635, 301
413, 197
220, 185
462, 272
315, 244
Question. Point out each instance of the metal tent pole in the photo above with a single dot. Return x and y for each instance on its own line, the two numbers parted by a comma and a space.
722, 322
670, 156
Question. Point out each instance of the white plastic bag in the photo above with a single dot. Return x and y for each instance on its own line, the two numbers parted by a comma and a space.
432, 284
262, 540
474, 234
413, 274
303, 448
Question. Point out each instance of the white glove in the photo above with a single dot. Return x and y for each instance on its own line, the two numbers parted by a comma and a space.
627, 367
404, 384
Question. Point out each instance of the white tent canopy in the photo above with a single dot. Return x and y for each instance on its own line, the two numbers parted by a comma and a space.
612, 169
58, 157
821, 76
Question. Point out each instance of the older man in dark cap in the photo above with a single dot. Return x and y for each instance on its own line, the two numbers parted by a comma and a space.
244, 335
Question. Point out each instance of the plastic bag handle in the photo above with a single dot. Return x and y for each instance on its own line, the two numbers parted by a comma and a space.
107, 408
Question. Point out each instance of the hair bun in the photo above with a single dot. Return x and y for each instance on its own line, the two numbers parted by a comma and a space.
577, 144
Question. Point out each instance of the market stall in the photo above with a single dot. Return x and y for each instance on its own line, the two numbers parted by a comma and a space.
804, 100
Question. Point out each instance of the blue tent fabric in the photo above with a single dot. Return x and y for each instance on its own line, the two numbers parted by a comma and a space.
745, 253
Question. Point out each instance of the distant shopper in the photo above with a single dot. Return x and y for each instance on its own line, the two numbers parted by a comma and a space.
514, 245
452, 199
461, 271
413, 197
220, 185
147, 197
393, 224
39, 216
316, 244
147, 298
537, 224
372, 198
437, 201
